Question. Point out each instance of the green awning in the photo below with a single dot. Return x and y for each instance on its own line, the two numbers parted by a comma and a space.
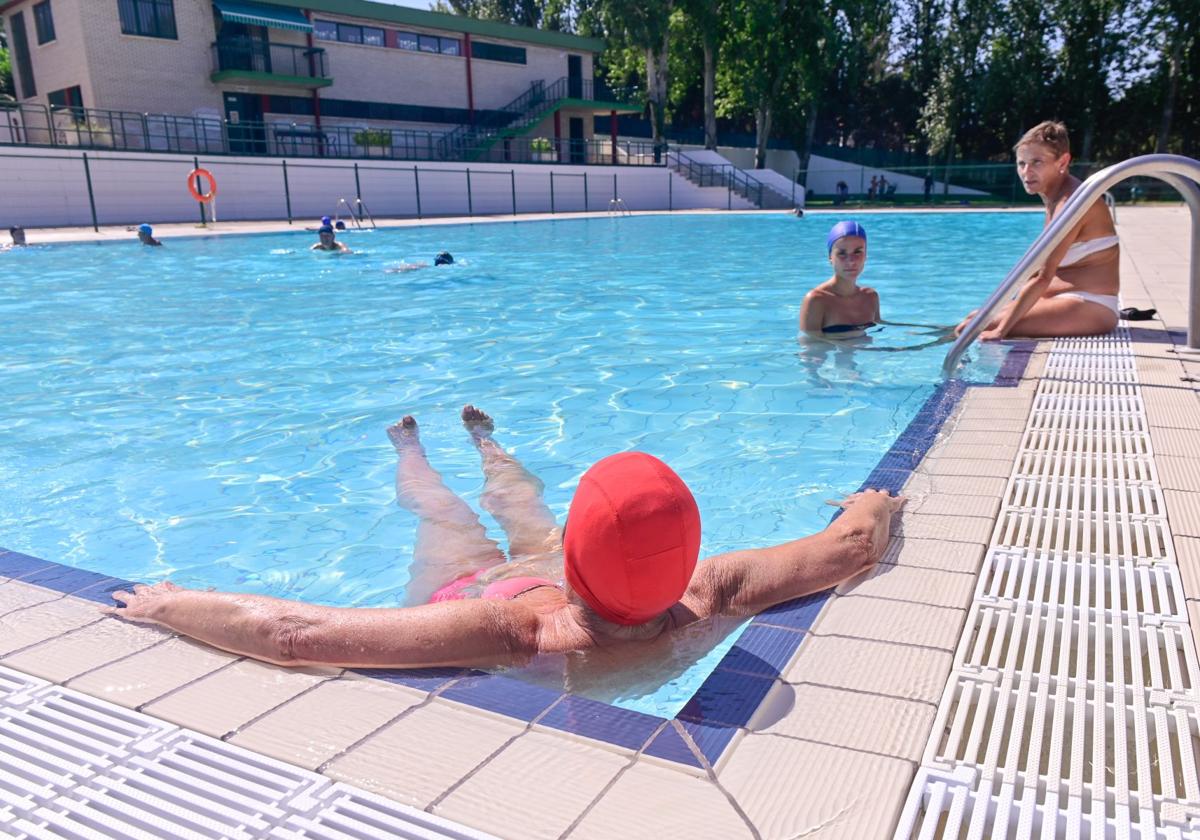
275, 17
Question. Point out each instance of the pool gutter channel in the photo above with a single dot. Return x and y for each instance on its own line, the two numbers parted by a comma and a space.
1073, 706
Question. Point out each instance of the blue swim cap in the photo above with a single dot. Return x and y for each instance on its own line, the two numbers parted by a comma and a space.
324, 229
325, 220
146, 229
843, 229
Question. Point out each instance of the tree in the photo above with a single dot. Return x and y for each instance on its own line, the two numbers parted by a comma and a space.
7, 90
539, 14
760, 50
708, 19
644, 26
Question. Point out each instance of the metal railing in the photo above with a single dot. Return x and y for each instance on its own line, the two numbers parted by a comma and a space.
128, 131
474, 141
1179, 172
717, 175
267, 57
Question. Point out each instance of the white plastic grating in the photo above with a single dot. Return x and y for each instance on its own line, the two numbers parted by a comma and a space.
1073, 708
1089, 581
73, 766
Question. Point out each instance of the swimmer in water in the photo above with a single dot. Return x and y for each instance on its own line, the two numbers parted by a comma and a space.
839, 308
328, 242
627, 572
443, 258
145, 235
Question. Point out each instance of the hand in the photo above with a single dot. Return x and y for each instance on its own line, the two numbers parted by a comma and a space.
143, 602
872, 497
962, 325
991, 335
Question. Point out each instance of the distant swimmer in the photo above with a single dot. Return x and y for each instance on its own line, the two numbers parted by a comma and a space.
18, 238
443, 258
328, 242
839, 308
145, 235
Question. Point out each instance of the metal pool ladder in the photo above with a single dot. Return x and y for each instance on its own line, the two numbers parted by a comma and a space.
617, 206
1182, 173
356, 211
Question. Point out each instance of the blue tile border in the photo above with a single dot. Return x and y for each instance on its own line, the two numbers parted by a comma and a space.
722, 705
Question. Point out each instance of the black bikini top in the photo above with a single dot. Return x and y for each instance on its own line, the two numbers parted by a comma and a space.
841, 328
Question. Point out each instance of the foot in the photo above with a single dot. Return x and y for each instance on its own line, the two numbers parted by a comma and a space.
404, 435
477, 423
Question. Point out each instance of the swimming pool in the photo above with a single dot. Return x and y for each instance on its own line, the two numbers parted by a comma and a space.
214, 411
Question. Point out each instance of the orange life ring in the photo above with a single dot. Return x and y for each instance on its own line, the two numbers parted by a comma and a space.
204, 198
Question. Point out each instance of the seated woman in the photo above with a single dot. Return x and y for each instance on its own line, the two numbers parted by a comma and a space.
1075, 291
839, 308
629, 558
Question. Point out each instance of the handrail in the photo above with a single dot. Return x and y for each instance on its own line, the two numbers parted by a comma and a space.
1180, 172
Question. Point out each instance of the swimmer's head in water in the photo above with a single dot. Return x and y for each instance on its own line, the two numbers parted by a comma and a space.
146, 229
633, 538
444, 258
324, 230
326, 220
842, 230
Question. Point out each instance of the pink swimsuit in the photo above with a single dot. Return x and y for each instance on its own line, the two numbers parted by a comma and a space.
501, 590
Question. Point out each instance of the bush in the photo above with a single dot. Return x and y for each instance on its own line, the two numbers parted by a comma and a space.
540, 144
373, 137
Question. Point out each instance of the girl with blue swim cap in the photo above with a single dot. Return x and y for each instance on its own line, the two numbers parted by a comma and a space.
839, 308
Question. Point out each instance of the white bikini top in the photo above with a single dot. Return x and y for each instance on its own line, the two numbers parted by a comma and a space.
1086, 248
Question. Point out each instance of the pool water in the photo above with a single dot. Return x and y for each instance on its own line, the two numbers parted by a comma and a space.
213, 411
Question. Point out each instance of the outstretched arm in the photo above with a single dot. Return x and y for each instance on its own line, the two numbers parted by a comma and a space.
747, 582
456, 633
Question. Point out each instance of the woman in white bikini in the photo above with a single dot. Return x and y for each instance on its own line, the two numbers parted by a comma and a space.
1075, 291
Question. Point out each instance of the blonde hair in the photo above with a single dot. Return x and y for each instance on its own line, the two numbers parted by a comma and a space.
1051, 134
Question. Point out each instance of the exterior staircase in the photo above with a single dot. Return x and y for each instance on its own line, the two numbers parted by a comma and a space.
472, 142
708, 169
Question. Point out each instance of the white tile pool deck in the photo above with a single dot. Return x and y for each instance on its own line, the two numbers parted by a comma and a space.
835, 745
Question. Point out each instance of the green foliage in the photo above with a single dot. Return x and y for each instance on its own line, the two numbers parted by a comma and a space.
373, 137
540, 144
7, 90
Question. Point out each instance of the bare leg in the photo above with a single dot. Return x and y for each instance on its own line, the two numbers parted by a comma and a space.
451, 541
511, 493
1064, 316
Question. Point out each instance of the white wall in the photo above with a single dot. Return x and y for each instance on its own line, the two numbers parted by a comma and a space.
47, 187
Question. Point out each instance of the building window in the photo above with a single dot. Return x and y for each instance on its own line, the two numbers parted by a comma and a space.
325, 30
20, 47
450, 46
71, 97
428, 43
406, 40
43, 20
372, 37
497, 52
151, 18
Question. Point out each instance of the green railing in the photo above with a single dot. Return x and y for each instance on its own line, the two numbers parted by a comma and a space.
127, 131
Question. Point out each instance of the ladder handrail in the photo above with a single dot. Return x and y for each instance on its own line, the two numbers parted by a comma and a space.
349, 210
1180, 172
366, 214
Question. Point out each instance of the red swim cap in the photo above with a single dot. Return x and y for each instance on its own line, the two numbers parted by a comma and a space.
633, 536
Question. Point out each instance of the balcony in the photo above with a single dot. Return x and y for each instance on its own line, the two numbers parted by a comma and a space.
250, 60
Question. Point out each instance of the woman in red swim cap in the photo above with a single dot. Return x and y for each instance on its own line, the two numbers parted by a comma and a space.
628, 562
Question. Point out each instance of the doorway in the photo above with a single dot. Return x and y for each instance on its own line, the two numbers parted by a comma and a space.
244, 115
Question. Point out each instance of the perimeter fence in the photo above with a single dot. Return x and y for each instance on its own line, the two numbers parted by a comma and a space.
81, 188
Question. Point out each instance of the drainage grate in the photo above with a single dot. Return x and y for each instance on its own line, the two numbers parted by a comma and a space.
1073, 708
73, 766
1093, 582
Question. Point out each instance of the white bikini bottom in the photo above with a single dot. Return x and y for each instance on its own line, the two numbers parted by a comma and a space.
1108, 301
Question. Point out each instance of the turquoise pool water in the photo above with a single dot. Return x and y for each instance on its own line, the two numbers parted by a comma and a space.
213, 411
